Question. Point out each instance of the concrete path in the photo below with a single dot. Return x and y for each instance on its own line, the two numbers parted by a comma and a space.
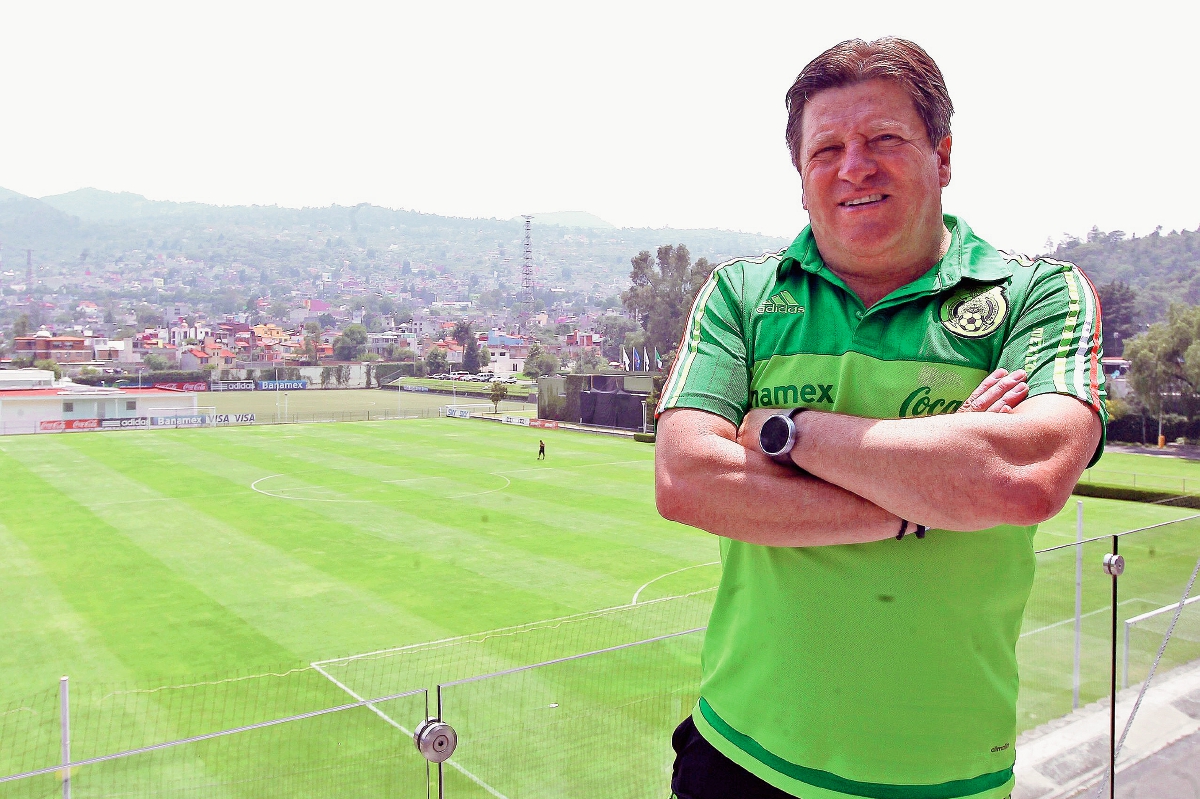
1067, 756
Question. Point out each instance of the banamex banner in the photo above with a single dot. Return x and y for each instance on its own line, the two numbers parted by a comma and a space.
282, 385
195, 386
196, 420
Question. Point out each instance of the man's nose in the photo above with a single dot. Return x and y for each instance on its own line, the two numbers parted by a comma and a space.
858, 162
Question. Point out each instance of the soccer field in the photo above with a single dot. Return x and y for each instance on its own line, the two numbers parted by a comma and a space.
136, 562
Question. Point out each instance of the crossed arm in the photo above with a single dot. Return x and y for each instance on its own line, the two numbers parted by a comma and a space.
968, 471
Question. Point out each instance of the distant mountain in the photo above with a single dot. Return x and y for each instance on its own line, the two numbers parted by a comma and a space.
96, 205
1162, 267
580, 219
268, 246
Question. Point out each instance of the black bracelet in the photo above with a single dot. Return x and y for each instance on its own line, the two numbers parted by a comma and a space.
904, 529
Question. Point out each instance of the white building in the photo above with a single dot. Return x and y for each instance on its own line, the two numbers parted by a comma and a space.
48, 410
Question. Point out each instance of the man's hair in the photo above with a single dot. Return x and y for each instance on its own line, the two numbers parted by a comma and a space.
855, 61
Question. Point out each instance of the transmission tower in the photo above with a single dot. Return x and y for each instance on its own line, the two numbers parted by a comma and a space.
527, 276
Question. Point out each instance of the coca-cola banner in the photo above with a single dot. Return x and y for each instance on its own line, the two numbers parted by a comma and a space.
196, 386
58, 425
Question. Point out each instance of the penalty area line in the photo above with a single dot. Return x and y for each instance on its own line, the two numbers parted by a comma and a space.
638, 592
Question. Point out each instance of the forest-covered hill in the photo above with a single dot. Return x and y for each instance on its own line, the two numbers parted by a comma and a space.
1161, 268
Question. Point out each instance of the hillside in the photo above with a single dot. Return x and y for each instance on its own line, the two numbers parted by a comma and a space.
573, 250
1162, 267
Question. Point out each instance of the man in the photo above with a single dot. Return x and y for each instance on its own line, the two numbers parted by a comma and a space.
541, 450
840, 661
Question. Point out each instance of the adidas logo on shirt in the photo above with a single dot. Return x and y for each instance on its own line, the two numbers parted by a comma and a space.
783, 302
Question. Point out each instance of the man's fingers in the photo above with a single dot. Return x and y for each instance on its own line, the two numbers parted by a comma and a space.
996, 387
987, 383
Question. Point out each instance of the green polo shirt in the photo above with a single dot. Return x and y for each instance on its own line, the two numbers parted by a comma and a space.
887, 669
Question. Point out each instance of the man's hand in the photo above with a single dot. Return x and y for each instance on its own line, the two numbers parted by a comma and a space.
1000, 392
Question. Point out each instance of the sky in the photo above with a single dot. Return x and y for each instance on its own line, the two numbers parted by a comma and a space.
645, 114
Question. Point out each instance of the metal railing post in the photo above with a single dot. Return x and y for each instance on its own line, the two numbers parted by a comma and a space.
64, 701
1078, 603
1114, 566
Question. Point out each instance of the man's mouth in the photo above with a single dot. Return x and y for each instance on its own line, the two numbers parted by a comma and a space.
868, 200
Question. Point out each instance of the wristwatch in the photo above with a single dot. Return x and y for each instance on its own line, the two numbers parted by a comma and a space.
777, 436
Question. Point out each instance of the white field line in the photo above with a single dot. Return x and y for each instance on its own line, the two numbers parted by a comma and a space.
564, 468
407, 732
516, 629
638, 592
1082, 616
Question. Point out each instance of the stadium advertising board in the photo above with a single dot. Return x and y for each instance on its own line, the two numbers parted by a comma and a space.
424, 389
232, 385
132, 423
191, 420
282, 385
233, 418
458, 413
521, 420
192, 386
548, 424
58, 425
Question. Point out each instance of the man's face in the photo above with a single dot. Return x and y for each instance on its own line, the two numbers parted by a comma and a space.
872, 181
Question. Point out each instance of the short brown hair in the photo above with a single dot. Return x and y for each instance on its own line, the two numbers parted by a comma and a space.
854, 61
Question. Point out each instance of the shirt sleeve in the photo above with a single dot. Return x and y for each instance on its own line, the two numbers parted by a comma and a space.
1056, 338
710, 372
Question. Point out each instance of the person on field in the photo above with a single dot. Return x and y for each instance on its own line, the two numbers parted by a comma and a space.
541, 450
874, 421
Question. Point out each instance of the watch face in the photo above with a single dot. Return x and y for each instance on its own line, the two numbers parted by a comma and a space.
774, 434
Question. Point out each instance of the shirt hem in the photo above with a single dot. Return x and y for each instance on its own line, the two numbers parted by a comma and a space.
813, 783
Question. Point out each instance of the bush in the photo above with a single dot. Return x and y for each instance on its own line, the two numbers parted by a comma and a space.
645, 438
1137, 495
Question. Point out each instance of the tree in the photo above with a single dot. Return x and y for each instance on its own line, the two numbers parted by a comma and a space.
351, 344
614, 328
1119, 303
312, 337
499, 392
485, 356
662, 291
589, 363
21, 326
156, 363
539, 362
464, 334
1165, 361
49, 366
435, 361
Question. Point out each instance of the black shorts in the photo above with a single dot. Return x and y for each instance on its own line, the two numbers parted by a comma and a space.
701, 772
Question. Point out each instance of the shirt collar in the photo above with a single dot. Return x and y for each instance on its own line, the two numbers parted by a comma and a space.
969, 256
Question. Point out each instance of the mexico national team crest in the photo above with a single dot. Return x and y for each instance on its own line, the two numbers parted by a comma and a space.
975, 311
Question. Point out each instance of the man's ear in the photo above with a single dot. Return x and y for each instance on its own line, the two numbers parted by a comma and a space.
943, 155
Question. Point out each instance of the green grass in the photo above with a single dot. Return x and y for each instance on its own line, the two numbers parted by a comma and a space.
1151, 472
143, 559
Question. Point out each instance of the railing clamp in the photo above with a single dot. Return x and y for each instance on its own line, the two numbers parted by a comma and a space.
435, 740
1114, 565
